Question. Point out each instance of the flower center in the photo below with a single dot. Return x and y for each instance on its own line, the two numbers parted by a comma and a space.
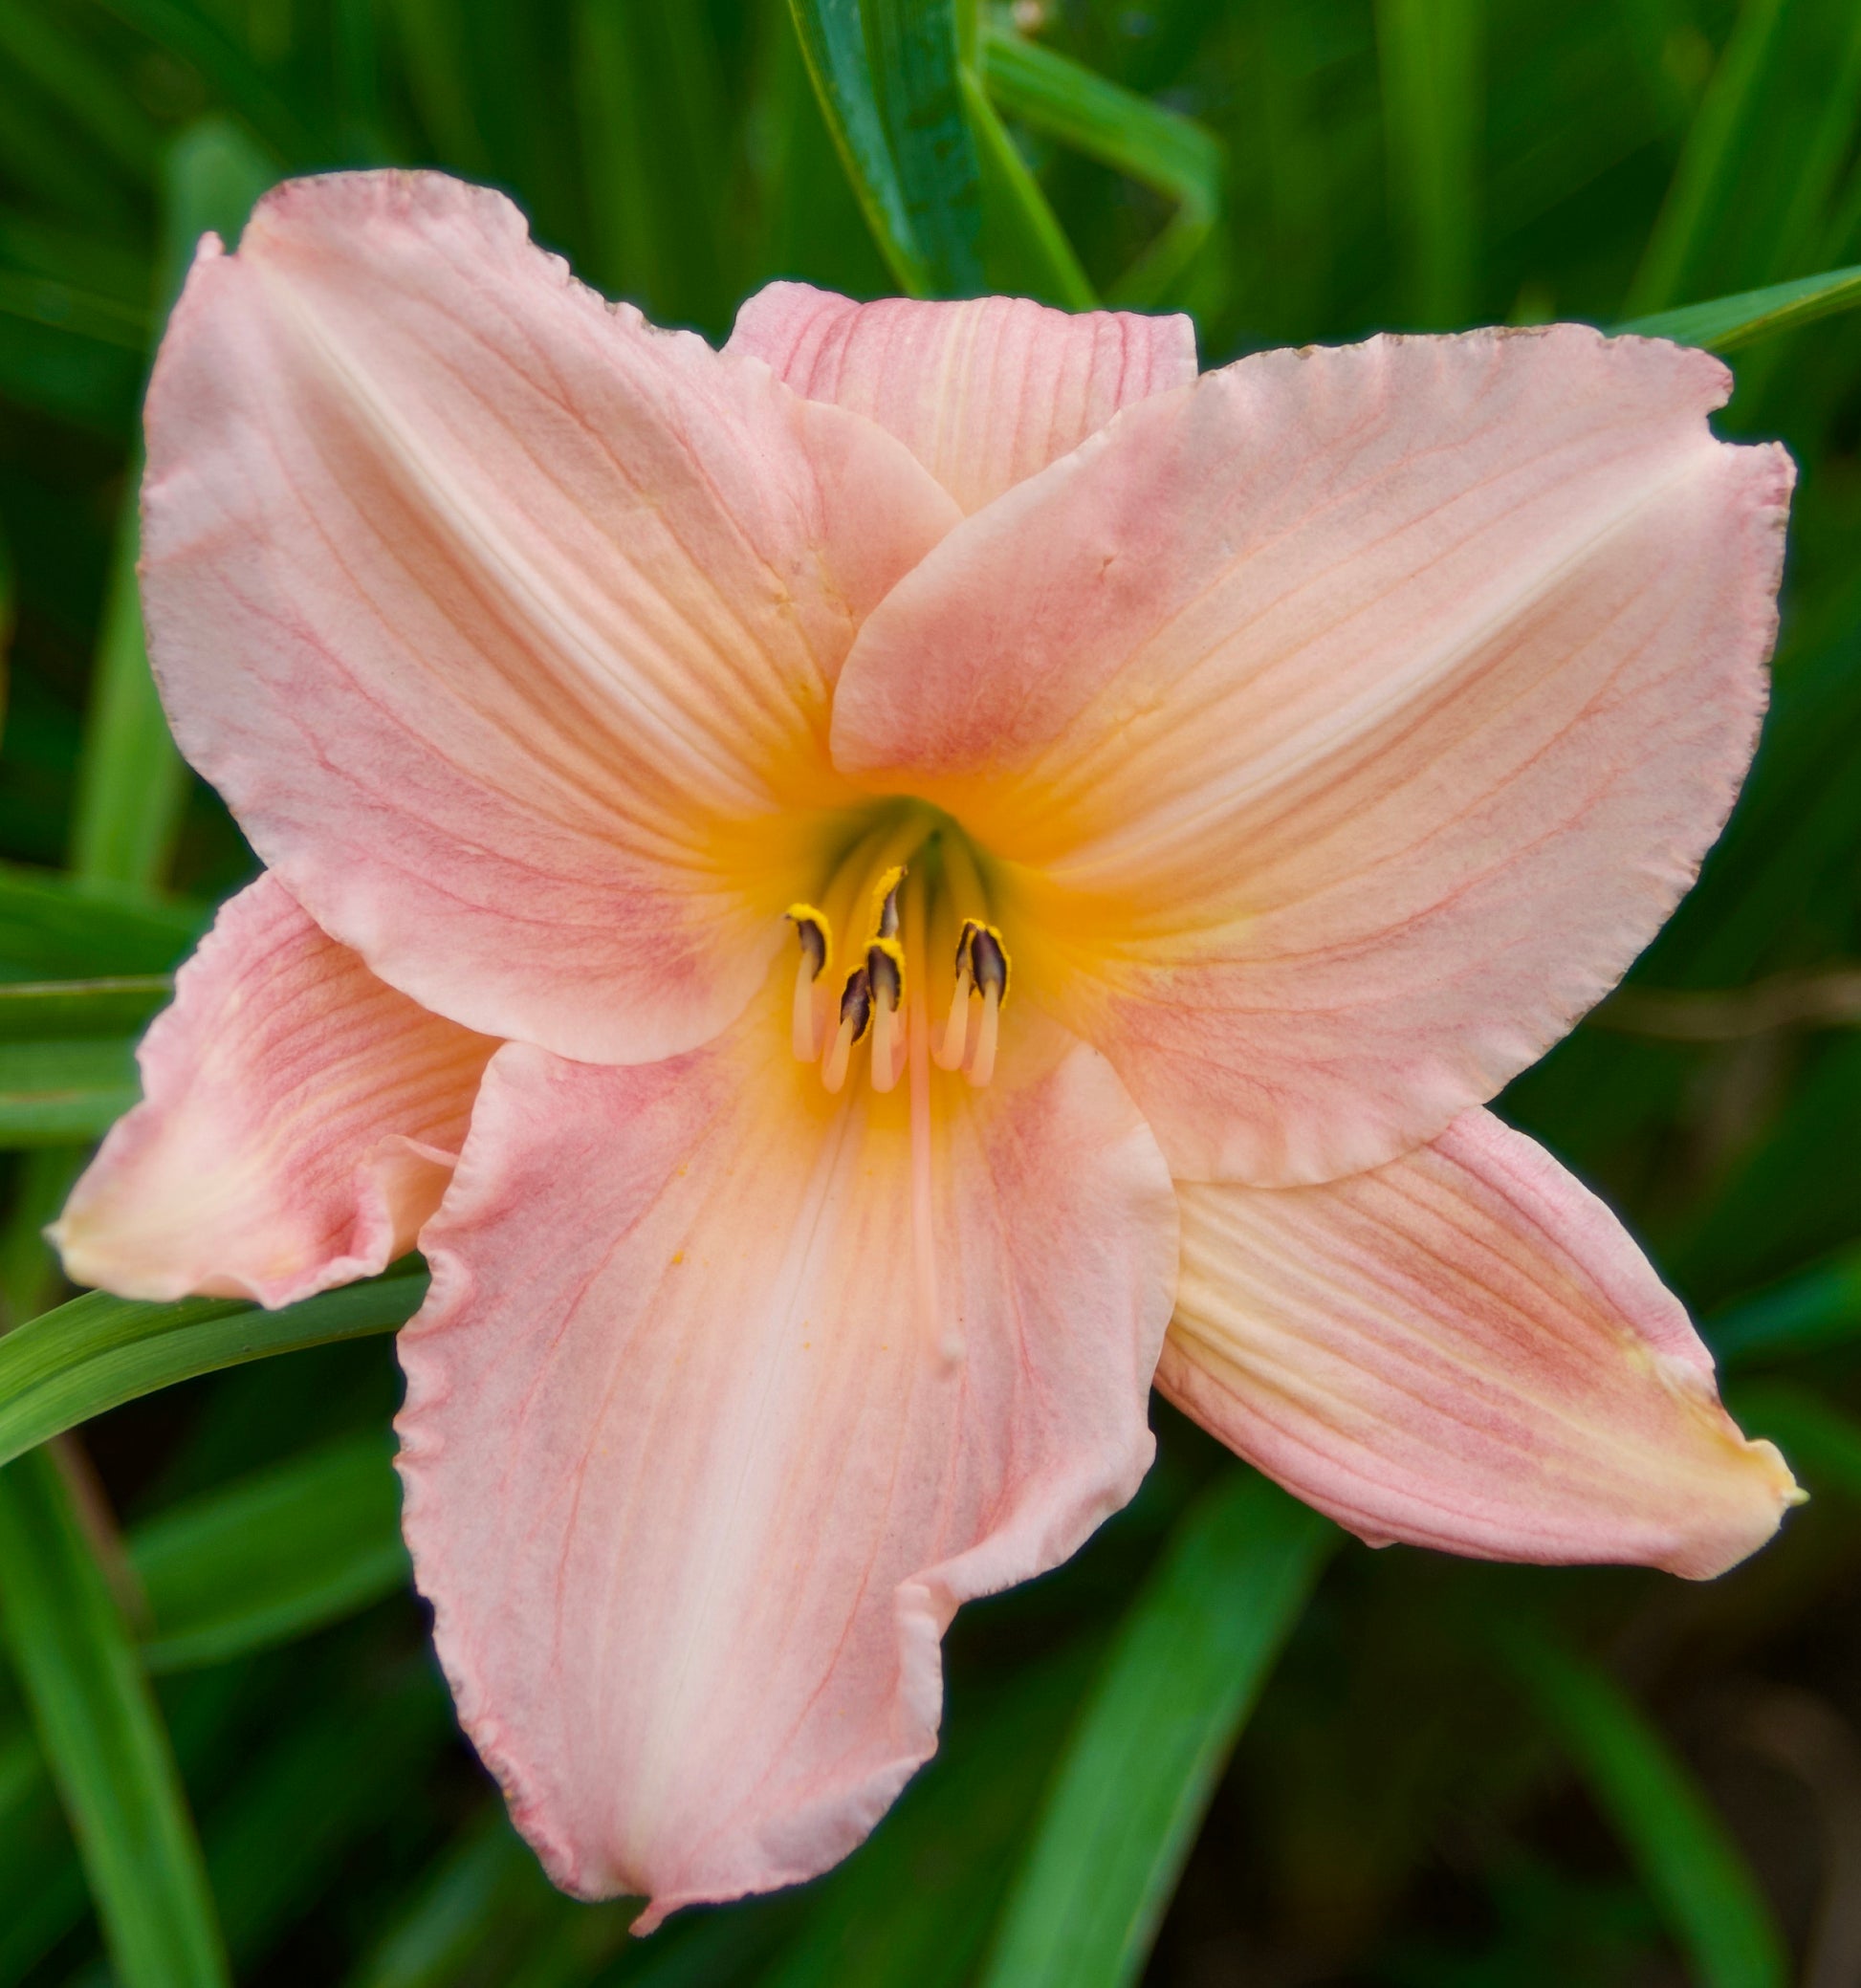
904, 897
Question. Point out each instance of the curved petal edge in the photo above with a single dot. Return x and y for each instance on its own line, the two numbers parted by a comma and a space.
1464, 1349
697, 1480
984, 392
298, 1124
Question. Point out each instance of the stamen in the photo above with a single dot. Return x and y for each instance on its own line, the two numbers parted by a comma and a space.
954, 1040
885, 903
990, 961
885, 968
812, 929
855, 1017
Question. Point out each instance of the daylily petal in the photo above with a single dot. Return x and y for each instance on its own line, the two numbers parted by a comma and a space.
703, 1446
1464, 1349
300, 1123
983, 392
506, 623
1346, 722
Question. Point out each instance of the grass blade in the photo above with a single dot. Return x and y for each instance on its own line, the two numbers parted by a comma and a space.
1429, 53
1089, 114
1692, 1870
97, 1352
912, 47
894, 105
54, 1092
1188, 1665
1803, 1314
1729, 323
272, 1557
833, 44
1025, 249
36, 1010
1706, 172
53, 929
104, 1737
131, 781
1823, 1444
652, 105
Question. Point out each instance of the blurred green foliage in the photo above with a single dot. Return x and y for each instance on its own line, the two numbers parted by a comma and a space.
222, 1743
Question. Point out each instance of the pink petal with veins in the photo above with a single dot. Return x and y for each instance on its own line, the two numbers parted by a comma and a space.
727, 1396
1344, 724
983, 392
1464, 1349
506, 623
300, 1123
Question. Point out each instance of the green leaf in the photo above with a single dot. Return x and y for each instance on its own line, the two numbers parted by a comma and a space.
1430, 57
79, 313
1803, 1314
651, 103
1188, 1663
912, 1907
1729, 323
912, 44
896, 117
92, 93
1026, 250
192, 38
485, 1888
131, 782
1159, 148
1692, 1870
53, 927
1707, 174
272, 1557
35, 1009
303, 1803
1822, 1444
97, 1352
53, 1093
104, 1737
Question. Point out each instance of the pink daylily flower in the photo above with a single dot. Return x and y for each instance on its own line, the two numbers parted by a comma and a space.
865, 896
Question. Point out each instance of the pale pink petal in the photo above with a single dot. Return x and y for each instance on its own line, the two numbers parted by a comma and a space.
1347, 722
1464, 1349
506, 623
983, 392
704, 1445
300, 1123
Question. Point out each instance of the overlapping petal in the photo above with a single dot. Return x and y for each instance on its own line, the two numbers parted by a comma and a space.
300, 1123
506, 623
1466, 1349
1346, 723
983, 392
699, 1466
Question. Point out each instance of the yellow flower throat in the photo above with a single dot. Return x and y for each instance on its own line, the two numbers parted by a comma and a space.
906, 893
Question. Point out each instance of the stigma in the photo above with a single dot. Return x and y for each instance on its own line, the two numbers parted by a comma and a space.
872, 1005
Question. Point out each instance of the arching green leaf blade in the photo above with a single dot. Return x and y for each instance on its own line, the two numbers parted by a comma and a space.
1692, 1870
104, 1737
97, 1352
272, 1557
1188, 1665
1729, 323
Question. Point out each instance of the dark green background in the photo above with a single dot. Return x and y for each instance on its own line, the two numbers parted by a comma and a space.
1456, 1777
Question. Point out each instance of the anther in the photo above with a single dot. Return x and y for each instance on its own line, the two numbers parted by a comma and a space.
885, 903
812, 929
855, 1017
884, 969
989, 962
